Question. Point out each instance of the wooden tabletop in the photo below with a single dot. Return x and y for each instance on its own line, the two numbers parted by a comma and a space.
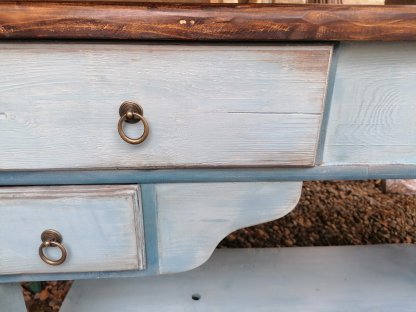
205, 22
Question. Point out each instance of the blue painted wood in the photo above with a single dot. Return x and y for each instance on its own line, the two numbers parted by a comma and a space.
327, 105
101, 226
368, 135
193, 218
11, 298
386, 150
150, 222
184, 223
372, 118
377, 278
350, 172
207, 105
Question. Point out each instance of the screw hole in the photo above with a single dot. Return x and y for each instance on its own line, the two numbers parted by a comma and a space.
196, 297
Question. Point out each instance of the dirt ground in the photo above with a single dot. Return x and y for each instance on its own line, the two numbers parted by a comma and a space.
329, 213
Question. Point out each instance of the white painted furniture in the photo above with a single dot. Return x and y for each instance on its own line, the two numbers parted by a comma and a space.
234, 130
113, 231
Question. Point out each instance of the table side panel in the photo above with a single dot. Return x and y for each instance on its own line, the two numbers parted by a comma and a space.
373, 107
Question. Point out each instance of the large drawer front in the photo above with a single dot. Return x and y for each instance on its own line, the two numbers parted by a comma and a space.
101, 228
207, 106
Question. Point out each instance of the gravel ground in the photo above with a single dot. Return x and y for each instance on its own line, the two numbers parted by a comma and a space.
329, 213
337, 213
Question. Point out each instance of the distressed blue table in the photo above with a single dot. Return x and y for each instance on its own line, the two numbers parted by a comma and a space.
135, 158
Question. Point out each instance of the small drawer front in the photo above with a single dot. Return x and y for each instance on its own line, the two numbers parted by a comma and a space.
101, 227
206, 105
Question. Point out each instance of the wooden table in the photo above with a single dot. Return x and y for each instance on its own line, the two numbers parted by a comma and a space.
239, 105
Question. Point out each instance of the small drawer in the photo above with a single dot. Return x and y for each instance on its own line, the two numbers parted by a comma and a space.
101, 227
205, 105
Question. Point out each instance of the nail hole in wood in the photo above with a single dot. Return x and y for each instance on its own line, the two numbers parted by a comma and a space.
196, 297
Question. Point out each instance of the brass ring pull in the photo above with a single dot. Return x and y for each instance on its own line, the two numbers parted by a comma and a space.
52, 238
132, 113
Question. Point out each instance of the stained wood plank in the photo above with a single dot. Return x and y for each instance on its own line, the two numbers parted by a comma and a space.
316, 279
101, 228
117, 20
207, 105
371, 121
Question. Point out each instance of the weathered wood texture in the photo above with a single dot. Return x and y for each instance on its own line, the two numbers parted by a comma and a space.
101, 228
314, 279
207, 106
100, 20
191, 219
373, 107
194, 218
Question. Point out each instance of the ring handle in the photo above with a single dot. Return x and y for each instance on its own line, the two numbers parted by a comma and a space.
52, 238
131, 112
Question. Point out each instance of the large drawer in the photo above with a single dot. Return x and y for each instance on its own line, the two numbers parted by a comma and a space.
206, 105
101, 227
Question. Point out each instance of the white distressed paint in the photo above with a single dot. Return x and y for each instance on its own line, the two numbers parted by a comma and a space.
373, 109
315, 279
101, 228
207, 105
194, 218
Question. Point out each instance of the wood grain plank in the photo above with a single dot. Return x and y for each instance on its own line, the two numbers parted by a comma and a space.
115, 20
101, 228
372, 117
194, 218
207, 105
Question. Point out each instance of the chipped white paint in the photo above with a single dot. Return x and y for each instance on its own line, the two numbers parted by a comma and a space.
194, 218
207, 105
101, 228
